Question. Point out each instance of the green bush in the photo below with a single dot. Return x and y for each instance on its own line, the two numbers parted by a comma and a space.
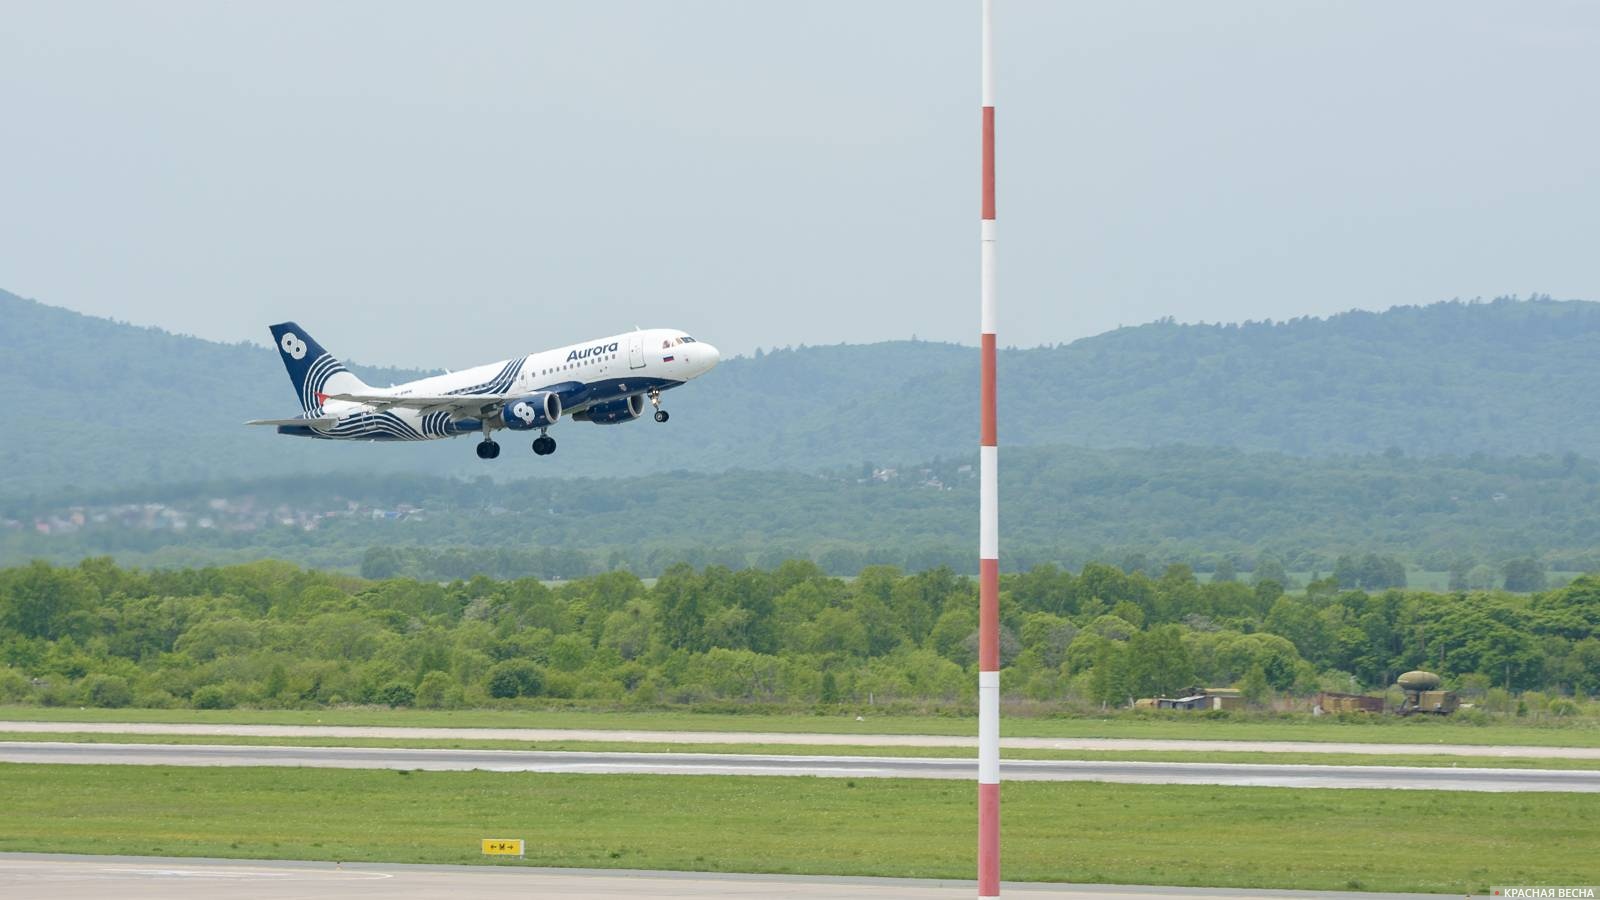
14, 686
56, 692
211, 696
600, 689
108, 691
1498, 700
514, 678
396, 693
438, 691
1563, 707
562, 685
157, 699
830, 689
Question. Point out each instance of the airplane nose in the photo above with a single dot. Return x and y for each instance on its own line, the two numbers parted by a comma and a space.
711, 354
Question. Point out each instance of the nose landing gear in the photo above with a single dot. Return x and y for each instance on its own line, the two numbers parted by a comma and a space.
655, 400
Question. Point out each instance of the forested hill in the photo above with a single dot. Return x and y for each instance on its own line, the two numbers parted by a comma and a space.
116, 403
1499, 378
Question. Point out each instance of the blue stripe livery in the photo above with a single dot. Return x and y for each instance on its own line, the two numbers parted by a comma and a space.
604, 382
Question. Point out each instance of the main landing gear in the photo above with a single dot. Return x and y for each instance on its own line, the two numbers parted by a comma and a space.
655, 400
487, 448
543, 445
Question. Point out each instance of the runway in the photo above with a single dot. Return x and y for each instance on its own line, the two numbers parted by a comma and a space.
547, 735
572, 762
64, 877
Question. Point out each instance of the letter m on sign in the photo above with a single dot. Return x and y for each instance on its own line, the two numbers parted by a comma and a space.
502, 846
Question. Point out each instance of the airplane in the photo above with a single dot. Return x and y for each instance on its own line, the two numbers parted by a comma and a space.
603, 381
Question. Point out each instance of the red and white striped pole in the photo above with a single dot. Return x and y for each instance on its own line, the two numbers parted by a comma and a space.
988, 519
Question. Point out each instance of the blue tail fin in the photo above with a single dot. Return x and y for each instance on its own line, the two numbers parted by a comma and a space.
314, 371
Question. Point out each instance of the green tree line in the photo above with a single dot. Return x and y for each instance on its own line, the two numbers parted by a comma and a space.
269, 634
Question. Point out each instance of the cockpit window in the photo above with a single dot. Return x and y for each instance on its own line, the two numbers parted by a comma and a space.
687, 339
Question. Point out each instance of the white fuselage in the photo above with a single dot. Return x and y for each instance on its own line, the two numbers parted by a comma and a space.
604, 373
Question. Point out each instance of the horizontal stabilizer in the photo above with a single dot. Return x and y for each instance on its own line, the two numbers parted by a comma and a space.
319, 421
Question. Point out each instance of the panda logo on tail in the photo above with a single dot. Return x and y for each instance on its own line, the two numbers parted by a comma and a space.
292, 345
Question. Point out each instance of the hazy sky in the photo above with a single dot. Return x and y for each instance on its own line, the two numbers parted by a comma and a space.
441, 184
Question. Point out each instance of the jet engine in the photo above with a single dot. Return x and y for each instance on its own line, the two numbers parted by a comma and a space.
533, 411
613, 412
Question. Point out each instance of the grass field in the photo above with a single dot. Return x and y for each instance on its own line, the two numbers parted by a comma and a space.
1257, 758
1240, 837
1416, 730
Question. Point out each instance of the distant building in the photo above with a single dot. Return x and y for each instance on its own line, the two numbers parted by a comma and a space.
1198, 698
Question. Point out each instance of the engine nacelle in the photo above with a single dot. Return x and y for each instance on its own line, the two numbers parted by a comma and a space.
614, 412
533, 411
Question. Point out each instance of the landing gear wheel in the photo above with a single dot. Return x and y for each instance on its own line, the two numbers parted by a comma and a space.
655, 400
488, 449
544, 445
661, 415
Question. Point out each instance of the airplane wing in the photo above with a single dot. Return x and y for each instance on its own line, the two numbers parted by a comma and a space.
323, 420
460, 404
